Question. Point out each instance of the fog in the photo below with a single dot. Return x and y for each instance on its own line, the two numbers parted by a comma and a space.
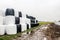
43, 10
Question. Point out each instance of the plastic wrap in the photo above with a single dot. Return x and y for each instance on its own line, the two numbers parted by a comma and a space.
17, 20
28, 22
16, 13
9, 12
1, 20
9, 20
2, 13
24, 27
11, 29
20, 14
22, 20
24, 15
18, 28
2, 29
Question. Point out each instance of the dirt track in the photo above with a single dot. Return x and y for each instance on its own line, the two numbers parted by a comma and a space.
37, 35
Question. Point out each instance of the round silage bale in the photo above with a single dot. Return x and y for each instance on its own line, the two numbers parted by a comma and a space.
9, 20
18, 28
24, 27
23, 15
1, 20
2, 29
16, 13
11, 29
28, 22
2, 13
17, 20
9, 12
22, 20
20, 14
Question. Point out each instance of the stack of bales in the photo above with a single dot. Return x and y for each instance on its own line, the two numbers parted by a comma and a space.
23, 21
10, 22
2, 27
33, 21
20, 21
15, 22
28, 23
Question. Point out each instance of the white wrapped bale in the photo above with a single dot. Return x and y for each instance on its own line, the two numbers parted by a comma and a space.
11, 29
2, 13
9, 20
1, 20
17, 20
24, 15
20, 14
28, 22
22, 20
18, 28
16, 14
24, 27
2, 29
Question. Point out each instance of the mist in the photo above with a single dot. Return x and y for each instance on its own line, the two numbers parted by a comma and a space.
43, 10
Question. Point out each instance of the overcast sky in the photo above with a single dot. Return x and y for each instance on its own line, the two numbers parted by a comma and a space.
44, 10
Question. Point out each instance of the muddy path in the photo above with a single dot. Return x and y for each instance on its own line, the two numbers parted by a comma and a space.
39, 34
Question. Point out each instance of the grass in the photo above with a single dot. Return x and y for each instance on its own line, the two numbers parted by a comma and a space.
44, 23
10, 37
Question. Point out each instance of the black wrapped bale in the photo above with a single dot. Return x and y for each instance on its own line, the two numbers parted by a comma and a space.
27, 26
17, 20
9, 12
19, 28
20, 14
34, 25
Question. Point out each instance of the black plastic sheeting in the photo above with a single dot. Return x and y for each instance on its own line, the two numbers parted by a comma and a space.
19, 29
17, 20
30, 17
36, 21
27, 28
32, 21
9, 12
20, 14
34, 25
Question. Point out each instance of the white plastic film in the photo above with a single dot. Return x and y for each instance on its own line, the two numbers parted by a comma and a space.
11, 29
16, 14
1, 20
22, 20
24, 27
2, 29
9, 20
28, 22
24, 15
2, 13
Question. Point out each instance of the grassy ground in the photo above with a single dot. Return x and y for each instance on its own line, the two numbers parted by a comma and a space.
10, 37
44, 23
